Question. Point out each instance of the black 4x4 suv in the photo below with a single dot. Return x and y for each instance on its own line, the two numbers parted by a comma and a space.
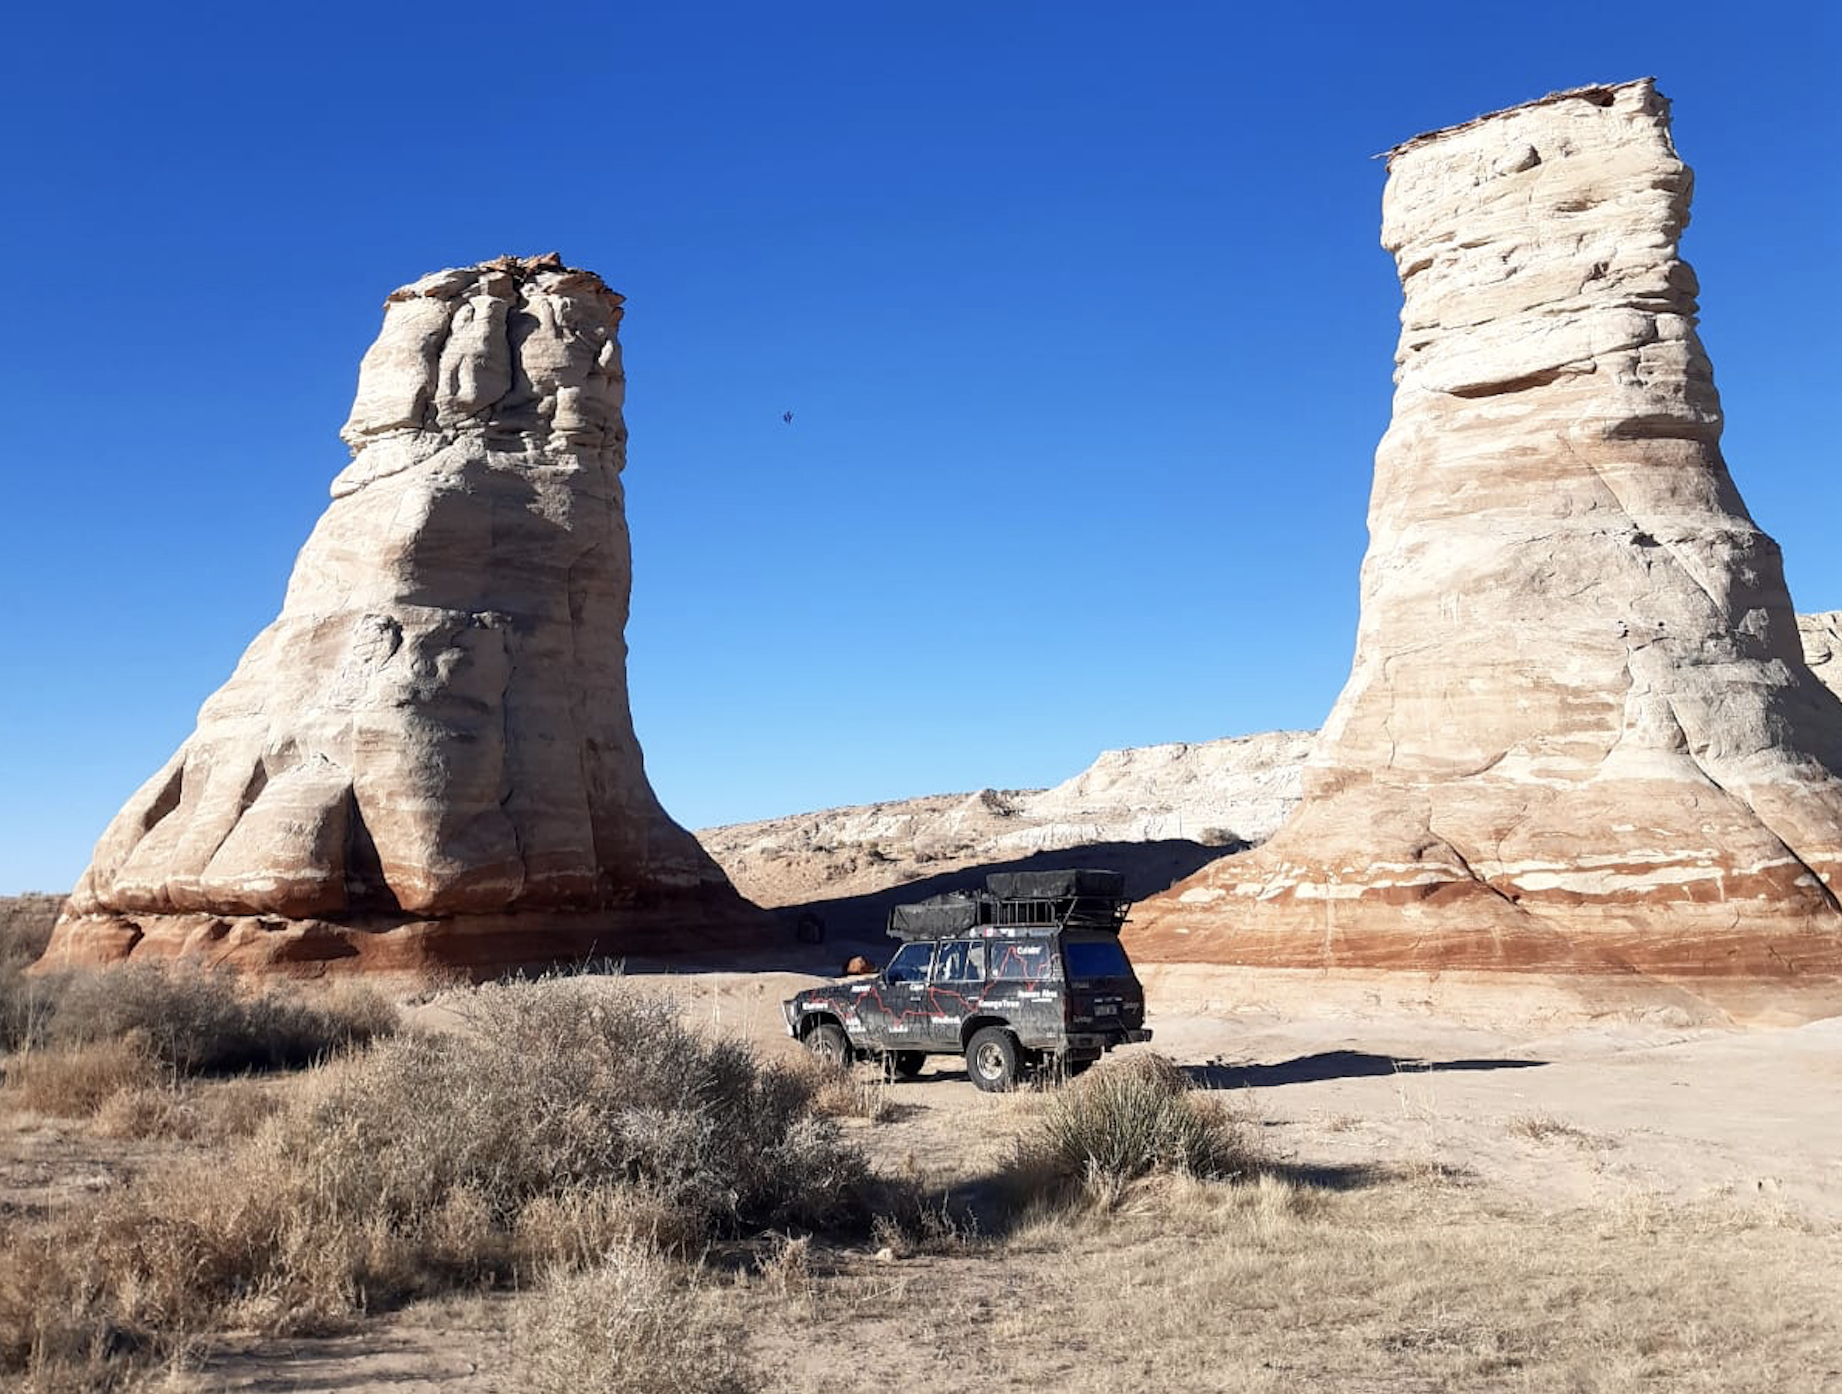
1027, 973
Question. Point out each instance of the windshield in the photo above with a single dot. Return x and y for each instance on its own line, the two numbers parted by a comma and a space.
1096, 958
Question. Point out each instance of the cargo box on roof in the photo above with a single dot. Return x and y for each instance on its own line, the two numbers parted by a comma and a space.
1015, 900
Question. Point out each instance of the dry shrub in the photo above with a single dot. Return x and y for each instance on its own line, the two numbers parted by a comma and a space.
1133, 1118
635, 1323
212, 1112
25, 929
76, 1081
567, 1085
573, 1228
570, 1119
788, 1271
25, 925
857, 1091
199, 1022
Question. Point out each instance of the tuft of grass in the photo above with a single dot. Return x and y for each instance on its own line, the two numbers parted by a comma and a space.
1542, 1127
635, 1323
1134, 1118
857, 1091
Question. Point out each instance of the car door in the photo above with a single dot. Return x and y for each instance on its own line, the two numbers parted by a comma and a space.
957, 984
892, 1008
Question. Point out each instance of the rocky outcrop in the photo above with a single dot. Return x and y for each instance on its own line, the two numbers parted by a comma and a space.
1225, 793
1821, 636
1579, 734
428, 758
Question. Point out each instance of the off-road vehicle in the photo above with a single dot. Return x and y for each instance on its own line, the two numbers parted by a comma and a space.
1027, 973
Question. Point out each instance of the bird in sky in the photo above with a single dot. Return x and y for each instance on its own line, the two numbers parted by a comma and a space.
787, 417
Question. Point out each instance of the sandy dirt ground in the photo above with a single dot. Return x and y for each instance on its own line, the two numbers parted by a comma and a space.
1562, 1112
1553, 1115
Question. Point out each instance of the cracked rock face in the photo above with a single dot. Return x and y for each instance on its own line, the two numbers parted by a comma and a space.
1579, 733
428, 758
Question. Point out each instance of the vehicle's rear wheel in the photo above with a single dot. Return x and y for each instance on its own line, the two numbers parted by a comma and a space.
904, 1064
828, 1043
991, 1059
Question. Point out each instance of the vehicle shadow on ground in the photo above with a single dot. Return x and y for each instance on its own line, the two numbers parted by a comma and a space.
859, 921
1333, 1064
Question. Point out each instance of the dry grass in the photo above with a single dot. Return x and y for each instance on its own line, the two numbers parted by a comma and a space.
76, 1082
572, 1118
1269, 1285
858, 1091
1130, 1119
635, 1323
1542, 1127
25, 930
194, 1021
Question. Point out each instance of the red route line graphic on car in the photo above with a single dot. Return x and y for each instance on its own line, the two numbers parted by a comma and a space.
900, 1018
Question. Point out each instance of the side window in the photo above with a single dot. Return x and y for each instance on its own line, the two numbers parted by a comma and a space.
960, 962
1024, 960
909, 964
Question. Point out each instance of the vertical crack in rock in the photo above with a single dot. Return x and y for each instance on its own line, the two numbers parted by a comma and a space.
1575, 644
461, 779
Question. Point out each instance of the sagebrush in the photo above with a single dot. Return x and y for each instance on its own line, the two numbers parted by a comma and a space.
566, 1119
1132, 1118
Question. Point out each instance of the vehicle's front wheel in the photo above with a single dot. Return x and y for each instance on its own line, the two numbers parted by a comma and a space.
828, 1043
991, 1059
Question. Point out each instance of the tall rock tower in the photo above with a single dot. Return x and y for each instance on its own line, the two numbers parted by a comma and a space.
1579, 734
429, 758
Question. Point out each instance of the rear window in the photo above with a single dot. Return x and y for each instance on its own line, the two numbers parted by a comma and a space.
1096, 958
1024, 960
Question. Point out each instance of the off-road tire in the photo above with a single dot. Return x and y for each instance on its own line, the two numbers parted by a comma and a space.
828, 1042
903, 1064
991, 1059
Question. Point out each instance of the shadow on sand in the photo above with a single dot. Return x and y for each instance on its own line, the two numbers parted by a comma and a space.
1334, 1064
858, 921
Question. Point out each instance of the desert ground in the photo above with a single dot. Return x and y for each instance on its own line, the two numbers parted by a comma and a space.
1425, 1202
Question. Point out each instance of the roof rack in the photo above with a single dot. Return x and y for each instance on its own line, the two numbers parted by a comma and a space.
1015, 902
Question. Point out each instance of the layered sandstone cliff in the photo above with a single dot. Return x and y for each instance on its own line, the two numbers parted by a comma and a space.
429, 758
1579, 734
1220, 794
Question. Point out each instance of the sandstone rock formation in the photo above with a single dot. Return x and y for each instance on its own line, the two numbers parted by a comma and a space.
1579, 734
1821, 635
1225, 793
428, 758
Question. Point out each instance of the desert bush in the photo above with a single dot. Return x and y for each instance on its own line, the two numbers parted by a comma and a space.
1132, 1118
568, 1085
25, 929
569, 1119
856, 1091
633, 1324
200, 1022
25, 924
216, 1112
74, 1083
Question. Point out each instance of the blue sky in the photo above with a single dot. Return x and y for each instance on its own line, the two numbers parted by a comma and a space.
1079, 308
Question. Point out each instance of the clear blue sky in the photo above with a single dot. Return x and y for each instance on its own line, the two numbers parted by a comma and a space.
1079, 308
